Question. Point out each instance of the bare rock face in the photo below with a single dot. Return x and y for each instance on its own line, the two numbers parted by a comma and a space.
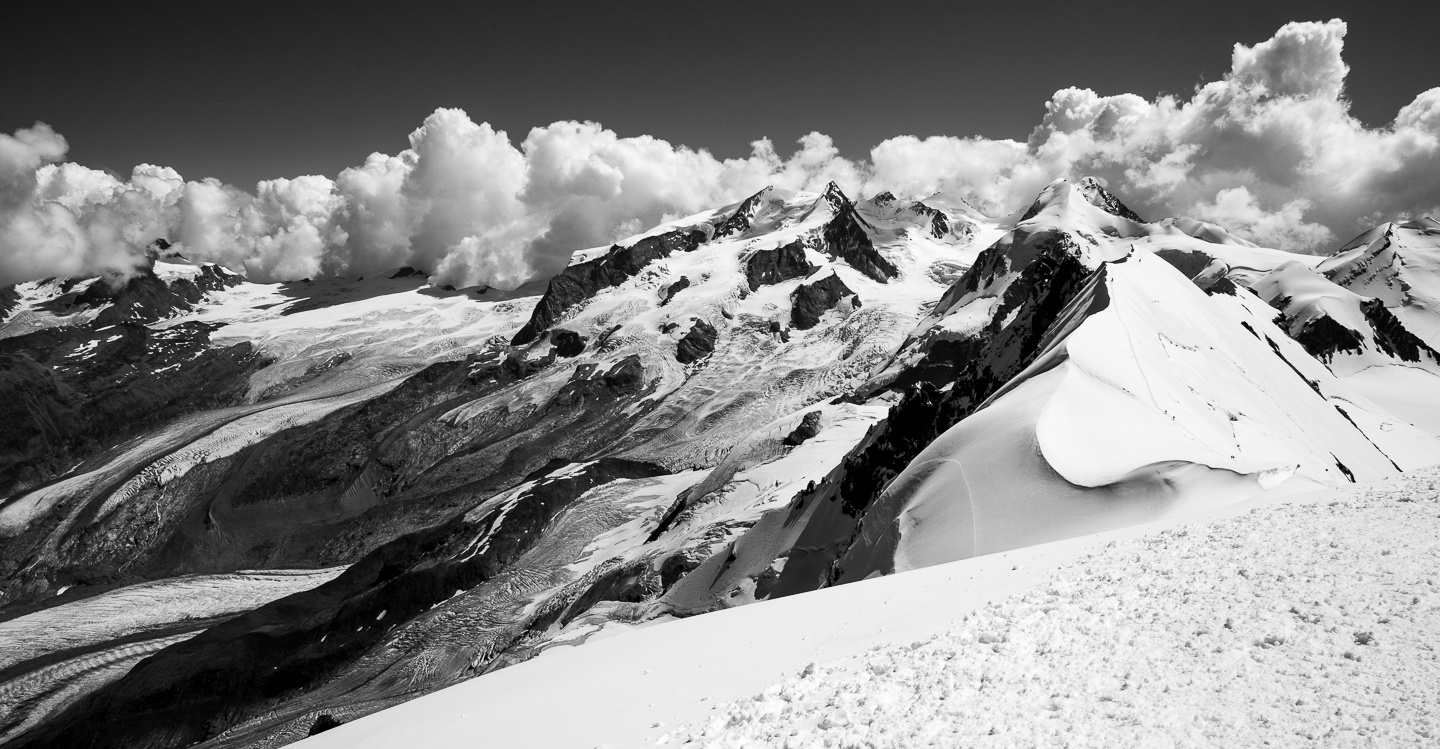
740, 221
809, 301
939, 227
1106, 201
9, 298
1393, 337
675, 288
768, 267
76, 390
244, 664
809, 427
1323, 337
697, 344
1051, 279
845, 237
581, 281
146, 298
567, 343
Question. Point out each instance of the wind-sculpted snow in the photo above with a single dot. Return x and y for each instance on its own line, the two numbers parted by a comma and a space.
792, 392
1140, 392
1200, 379
1295, 625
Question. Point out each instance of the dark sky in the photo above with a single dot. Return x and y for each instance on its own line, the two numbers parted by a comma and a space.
247, 91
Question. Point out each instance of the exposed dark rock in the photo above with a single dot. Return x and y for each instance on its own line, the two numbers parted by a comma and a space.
1050, 258
1220, 285
404, 272
670, 291
676, 567
1392, 336
567, 343
846, 238
1052, 291
883, 198
1106, 201
809, 427
324, 723
580, 282
1345, 470
697, 344
74, 391
939, 226
145, 298
739, 221
781, 332
1323, 337
1188, 262
9, 299
768, 267
809, 301
238, 669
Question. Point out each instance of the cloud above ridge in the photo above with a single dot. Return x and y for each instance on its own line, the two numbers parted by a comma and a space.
1270, 151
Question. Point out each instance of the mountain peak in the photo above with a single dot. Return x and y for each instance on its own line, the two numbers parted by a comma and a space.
1098, 196
835, 196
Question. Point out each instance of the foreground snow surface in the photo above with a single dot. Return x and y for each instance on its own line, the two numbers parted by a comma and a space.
1114, 639
1298, 624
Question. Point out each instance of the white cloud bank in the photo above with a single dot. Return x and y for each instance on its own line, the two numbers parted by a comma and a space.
1271, 152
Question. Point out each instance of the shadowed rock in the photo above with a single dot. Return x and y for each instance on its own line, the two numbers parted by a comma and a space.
939, 226
740, 221
768, 267
1393, 337
809, 427
190, 691
697, 344
582, 281
845, 237
810, 301
1106, 201
567, 343
673, 289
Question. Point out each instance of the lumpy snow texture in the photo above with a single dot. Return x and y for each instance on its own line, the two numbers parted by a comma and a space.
1289, 626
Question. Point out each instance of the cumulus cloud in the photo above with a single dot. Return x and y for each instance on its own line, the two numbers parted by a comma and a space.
1272, 147
1270, 151
1237, 210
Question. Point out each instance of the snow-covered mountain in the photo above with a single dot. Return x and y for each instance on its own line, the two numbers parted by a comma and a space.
788, 393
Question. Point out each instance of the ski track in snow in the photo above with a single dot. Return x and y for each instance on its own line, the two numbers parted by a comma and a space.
1292, 625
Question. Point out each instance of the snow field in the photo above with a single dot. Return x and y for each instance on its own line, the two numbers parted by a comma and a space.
1295, 624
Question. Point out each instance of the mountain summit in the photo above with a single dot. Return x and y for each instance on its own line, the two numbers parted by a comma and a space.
423, 485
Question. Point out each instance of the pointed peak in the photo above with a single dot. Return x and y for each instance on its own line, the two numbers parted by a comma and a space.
1096, 194
740, 220
1058, 190
834, 196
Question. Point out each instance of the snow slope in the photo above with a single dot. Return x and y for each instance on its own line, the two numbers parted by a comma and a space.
1149, 395
1086, 633
1286, 626
703, 416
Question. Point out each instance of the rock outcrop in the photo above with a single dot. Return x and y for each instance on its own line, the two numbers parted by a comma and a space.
811, 300
768, 267
583, 280
697, 344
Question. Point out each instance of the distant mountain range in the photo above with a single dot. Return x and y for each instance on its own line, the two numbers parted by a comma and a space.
236, 514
